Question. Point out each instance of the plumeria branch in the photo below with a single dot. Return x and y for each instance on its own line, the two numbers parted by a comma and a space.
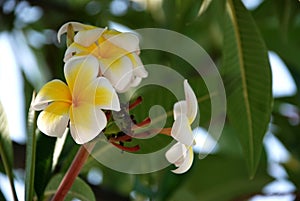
73, 171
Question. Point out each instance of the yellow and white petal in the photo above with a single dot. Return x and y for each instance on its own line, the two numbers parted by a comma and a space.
180, 108
76, 27
86, 122
54, 90
192, 103
127, 41
186, 163
119, 73
88, 37
106, 96
101, 94
80, 71
54, 119
181, 131
176, 153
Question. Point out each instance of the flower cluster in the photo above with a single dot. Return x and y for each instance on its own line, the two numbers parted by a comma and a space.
98, 64
117, 53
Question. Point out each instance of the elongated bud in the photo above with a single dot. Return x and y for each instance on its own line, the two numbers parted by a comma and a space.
70, 35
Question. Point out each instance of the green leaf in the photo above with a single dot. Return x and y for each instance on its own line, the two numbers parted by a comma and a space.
43, 165
277, 22
30, 154
79, 189
6, 150
67, 154
292, 167
219, 177
5, 140
118, 182
2, 196
205, 4
247, 79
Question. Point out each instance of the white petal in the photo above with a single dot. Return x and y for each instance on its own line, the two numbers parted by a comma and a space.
192, 103
135, 82
88, 37
181, 131
139, 69
76, 27
127, 41
119, 73
71, 51
180, 108
54, 119
176, 153
86, 122
187, 162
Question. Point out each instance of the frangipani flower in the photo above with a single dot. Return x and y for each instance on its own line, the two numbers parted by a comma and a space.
117, 53
185, 111
79, 101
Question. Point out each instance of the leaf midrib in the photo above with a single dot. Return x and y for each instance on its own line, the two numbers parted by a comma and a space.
233, 17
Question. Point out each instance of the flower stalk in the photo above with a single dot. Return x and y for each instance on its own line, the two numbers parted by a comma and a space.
135, 103
145, 122
73, 171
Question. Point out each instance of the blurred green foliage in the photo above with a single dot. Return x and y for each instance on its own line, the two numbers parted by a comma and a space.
223, 175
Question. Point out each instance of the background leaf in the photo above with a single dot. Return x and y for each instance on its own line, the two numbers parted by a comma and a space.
247, 79
219, 177
205, 4
6, 150
30, 154
79, 190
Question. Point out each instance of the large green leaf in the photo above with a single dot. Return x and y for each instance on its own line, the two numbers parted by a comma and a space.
219, 177
247, 78
30, 154
6, 150
79, 190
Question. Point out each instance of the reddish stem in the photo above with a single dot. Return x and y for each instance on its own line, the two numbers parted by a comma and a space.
121, 138
166, 131
108, 115
73, 171
130, 149
143, 123
135, 103
152, 132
